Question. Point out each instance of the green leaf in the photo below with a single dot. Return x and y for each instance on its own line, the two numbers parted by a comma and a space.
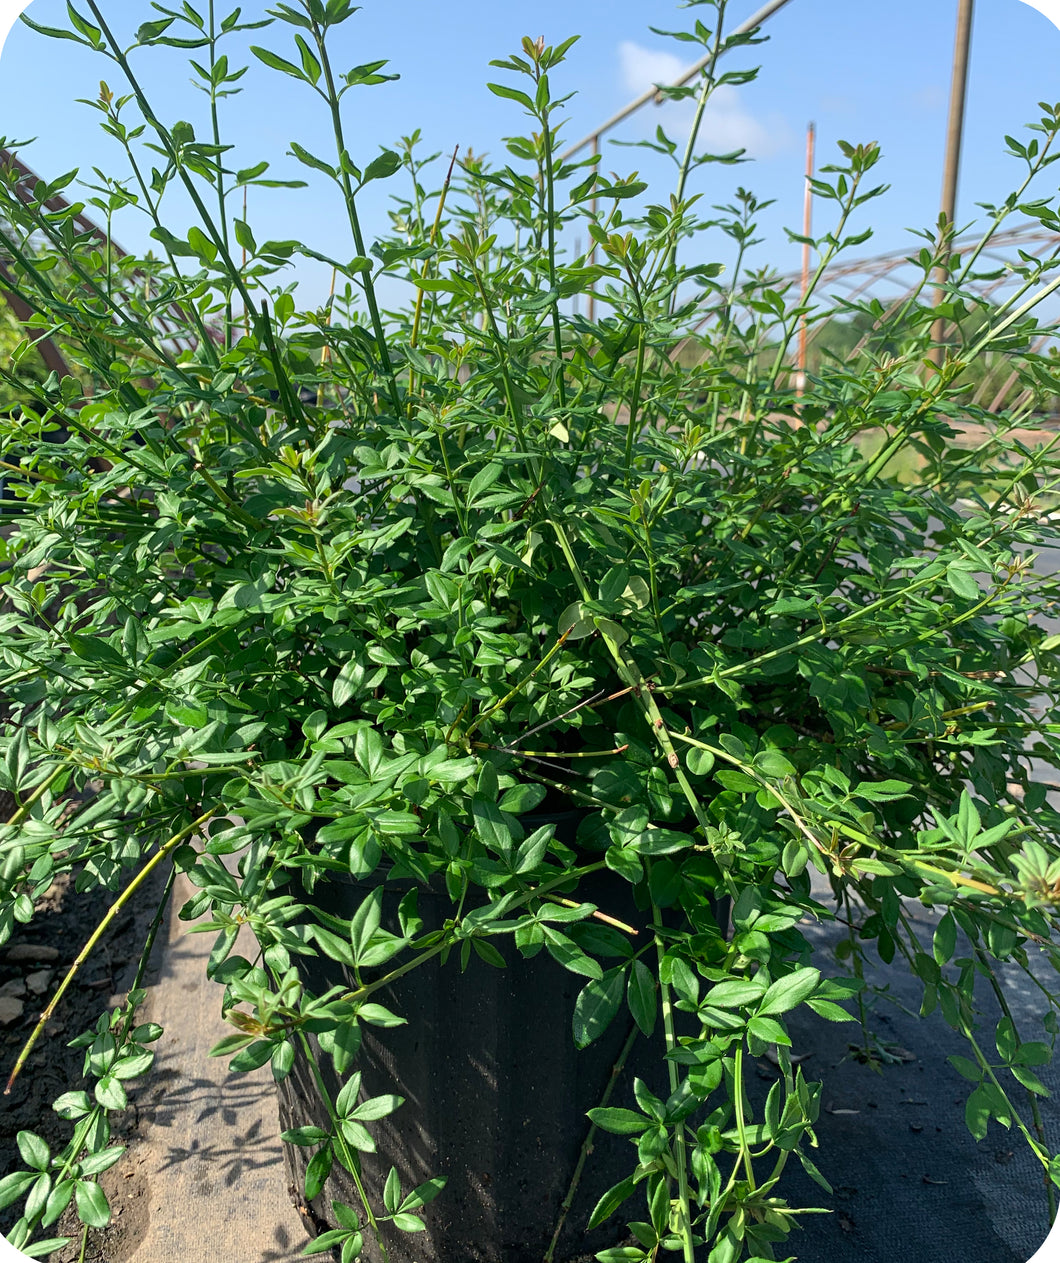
624, 861
52, 32
244, 236
883, 791
532, 850
14, 1185
491, 825
230, 1044
699, 762
366, 921
150, 31
252, 1057
274, 62
132, 1065
610, 1202
790, 991
641, 996
377, 1107
357, 1135
613, 584
621, 1122
327, 1241
597, 1003
392, 1191
96, 1163
575, 623
965, 1067
773, 764
94, 649
569, 955
483, 480
633, 189
41, 1249
201, 245
110, 1093
58, 1200
341, 1045
977, 1112
511, 94
92, 1206
310, 160
380, 168
831, 1012
660, 842
945, 939
72, 1105
1029, 1080
352, 1248
35, 1152
92, 33
347, 1097
424, 1193
962, 582
734, 993
317, 1172
304, 1136
282, 1060
377, 1015
770, 1031
310, 66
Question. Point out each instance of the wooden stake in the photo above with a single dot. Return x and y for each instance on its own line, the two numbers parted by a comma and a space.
952, 163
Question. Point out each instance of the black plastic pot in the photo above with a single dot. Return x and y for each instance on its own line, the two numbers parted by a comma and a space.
496, 1097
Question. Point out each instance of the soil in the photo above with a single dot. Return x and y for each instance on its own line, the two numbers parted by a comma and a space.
32, 965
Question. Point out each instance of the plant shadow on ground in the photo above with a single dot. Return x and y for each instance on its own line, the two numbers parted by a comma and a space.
909, 1181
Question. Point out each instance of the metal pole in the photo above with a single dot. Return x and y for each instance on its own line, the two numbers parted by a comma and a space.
952, 163
766, 11
807, 229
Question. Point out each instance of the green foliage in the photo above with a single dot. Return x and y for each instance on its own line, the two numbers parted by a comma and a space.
301, 592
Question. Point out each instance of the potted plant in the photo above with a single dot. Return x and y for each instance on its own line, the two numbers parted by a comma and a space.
322, 607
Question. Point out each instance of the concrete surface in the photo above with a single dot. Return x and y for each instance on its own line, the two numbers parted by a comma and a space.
208, 1148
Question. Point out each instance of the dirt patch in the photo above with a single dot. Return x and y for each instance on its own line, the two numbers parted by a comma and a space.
126, 1188
32, 965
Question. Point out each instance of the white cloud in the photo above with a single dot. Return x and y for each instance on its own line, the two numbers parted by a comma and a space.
726, 124
931, 97
643, 67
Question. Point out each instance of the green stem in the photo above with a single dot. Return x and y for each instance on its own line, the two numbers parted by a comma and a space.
824, 633
221, 209
112, 913
145, 955
741, 1126
367, 285
351, 1163
39, 792
680, 1149
550, 193
414, 338
363, 992
167, 144
587, 1145
509, 390
481, 718
705, 93
1032, 1100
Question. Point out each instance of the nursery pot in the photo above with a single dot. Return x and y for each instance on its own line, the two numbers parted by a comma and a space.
496, 1096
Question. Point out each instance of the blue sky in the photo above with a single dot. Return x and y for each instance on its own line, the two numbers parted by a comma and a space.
861, 69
